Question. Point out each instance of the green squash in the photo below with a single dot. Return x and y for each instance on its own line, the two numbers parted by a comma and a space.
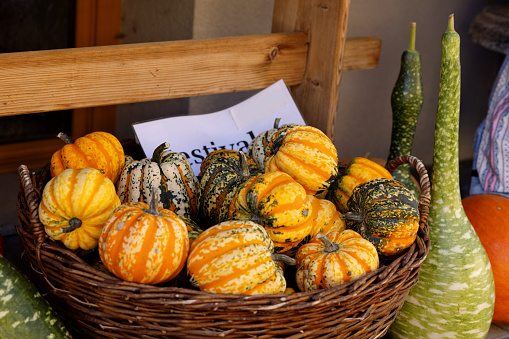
24, 313
170, 173
455, 295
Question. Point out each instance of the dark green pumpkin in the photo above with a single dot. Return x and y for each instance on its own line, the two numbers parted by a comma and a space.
386, 213
219, 184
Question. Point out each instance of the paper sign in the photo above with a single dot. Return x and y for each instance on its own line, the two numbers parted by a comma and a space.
198, 135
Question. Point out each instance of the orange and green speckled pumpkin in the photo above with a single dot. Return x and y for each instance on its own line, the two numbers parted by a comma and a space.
278, 203
143, 244
100, 150
235, 257
75, 205
333, 259
172, 176
358, 170
253, 168
306, 154
386, 213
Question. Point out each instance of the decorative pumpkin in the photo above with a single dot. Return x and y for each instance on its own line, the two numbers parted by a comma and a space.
324, 218
333, 259
489, 215
172, 176
259, 147
278, 203
144, 244
307, 155
253, 168
193, 229
235, 257
386, 213
100, 150
220, 182
358, 170
75, 205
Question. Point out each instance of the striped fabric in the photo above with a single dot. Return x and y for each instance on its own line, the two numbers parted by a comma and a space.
491, 143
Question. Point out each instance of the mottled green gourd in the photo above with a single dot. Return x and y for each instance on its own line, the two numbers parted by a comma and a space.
454, 297
24, 313
406, 103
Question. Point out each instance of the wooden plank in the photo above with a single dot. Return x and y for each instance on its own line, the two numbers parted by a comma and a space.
361, 53
326, 23
34, 154
94, 76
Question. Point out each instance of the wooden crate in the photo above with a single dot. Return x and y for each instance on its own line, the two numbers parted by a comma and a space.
308, 48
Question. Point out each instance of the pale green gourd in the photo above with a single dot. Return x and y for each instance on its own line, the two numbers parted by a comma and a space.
454, 297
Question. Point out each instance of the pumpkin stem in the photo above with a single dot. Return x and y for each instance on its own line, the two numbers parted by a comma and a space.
276, 123
74, 223
284, 258
353, 216
67, 139
156, 156
153, 202
329, 245
243, 165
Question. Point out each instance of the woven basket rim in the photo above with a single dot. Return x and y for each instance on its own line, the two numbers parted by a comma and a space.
47, 252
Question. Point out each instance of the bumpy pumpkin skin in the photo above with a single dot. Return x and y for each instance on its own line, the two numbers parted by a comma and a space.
359, 170
235, 257
489, 215
307, 155
278, 203
172, 175
386, 213
140, 245
100, 150
320, 267
253, 168
80, 194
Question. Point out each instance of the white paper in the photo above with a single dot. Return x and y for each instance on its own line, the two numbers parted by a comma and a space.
233, 128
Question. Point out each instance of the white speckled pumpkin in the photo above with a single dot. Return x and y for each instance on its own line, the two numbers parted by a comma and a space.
170, 173
143, 244
235, 257
75, 205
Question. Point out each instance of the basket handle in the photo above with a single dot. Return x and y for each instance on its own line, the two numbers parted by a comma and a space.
32, 197
423, 181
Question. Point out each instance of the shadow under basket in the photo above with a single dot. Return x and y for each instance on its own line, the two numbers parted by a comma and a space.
94, 304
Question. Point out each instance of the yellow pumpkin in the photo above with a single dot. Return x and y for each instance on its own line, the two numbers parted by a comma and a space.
306, 154
75, 205
333, 259
100, 150
235, 257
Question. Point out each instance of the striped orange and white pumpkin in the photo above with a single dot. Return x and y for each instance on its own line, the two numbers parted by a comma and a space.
143, 244
75, 205
307, 155
235, 257
333, 259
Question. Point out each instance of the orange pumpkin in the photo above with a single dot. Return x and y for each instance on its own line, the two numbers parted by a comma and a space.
100, 150
489, 215
335, 258
143, 244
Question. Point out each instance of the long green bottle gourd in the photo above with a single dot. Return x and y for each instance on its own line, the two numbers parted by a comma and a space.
406, 102
454, 297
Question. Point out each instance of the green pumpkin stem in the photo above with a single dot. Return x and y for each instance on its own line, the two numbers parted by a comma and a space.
67, 139
74, 224
353, 216
243, 165
329, 245
284, 258
276, 123
156, 156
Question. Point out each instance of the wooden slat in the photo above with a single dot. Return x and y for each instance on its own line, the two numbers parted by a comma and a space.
95, 76
326, 24
34, 154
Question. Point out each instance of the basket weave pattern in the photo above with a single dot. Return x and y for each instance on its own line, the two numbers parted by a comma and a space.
94, 304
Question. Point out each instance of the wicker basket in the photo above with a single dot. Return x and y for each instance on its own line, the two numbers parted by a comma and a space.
93, 304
